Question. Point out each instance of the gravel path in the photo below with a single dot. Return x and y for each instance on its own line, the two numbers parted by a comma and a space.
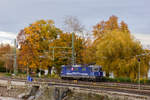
7, 98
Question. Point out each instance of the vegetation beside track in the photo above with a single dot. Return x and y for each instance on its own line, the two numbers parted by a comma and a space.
56, 76
126, 80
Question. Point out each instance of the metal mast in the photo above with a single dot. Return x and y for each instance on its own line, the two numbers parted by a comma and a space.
73, 60
15, 57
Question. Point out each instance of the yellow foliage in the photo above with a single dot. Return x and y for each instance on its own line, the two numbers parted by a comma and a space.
36, 42
116, 52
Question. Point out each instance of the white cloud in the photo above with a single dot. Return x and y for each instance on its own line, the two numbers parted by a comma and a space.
7, 37
143, 38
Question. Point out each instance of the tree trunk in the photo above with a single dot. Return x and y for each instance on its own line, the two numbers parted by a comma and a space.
107, 74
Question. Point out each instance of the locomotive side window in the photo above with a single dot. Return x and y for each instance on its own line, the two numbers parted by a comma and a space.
83, 69
74, 68
95, 69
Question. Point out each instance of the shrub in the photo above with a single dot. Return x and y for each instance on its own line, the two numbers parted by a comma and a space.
125, 80
121, 79
55, 76
8, 74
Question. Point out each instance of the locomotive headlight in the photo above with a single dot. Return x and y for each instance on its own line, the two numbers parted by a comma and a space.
72, 69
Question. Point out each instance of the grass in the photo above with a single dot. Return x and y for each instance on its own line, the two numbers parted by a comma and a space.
5, 74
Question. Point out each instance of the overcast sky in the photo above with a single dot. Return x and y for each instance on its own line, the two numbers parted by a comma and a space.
16, 14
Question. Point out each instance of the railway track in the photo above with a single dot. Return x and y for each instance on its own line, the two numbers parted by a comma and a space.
101, 88
94, 86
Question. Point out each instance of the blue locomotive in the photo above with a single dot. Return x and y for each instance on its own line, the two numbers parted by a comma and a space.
90, 72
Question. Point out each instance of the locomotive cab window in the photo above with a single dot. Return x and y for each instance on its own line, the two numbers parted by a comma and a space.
100, 69
68, 68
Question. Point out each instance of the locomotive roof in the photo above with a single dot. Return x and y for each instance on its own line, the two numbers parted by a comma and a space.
80, 66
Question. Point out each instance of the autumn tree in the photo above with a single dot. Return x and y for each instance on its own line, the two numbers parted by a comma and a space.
6, 57
35, 41
124, 27
100, 29
119, 55
109, 25
89, 52
116, 49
